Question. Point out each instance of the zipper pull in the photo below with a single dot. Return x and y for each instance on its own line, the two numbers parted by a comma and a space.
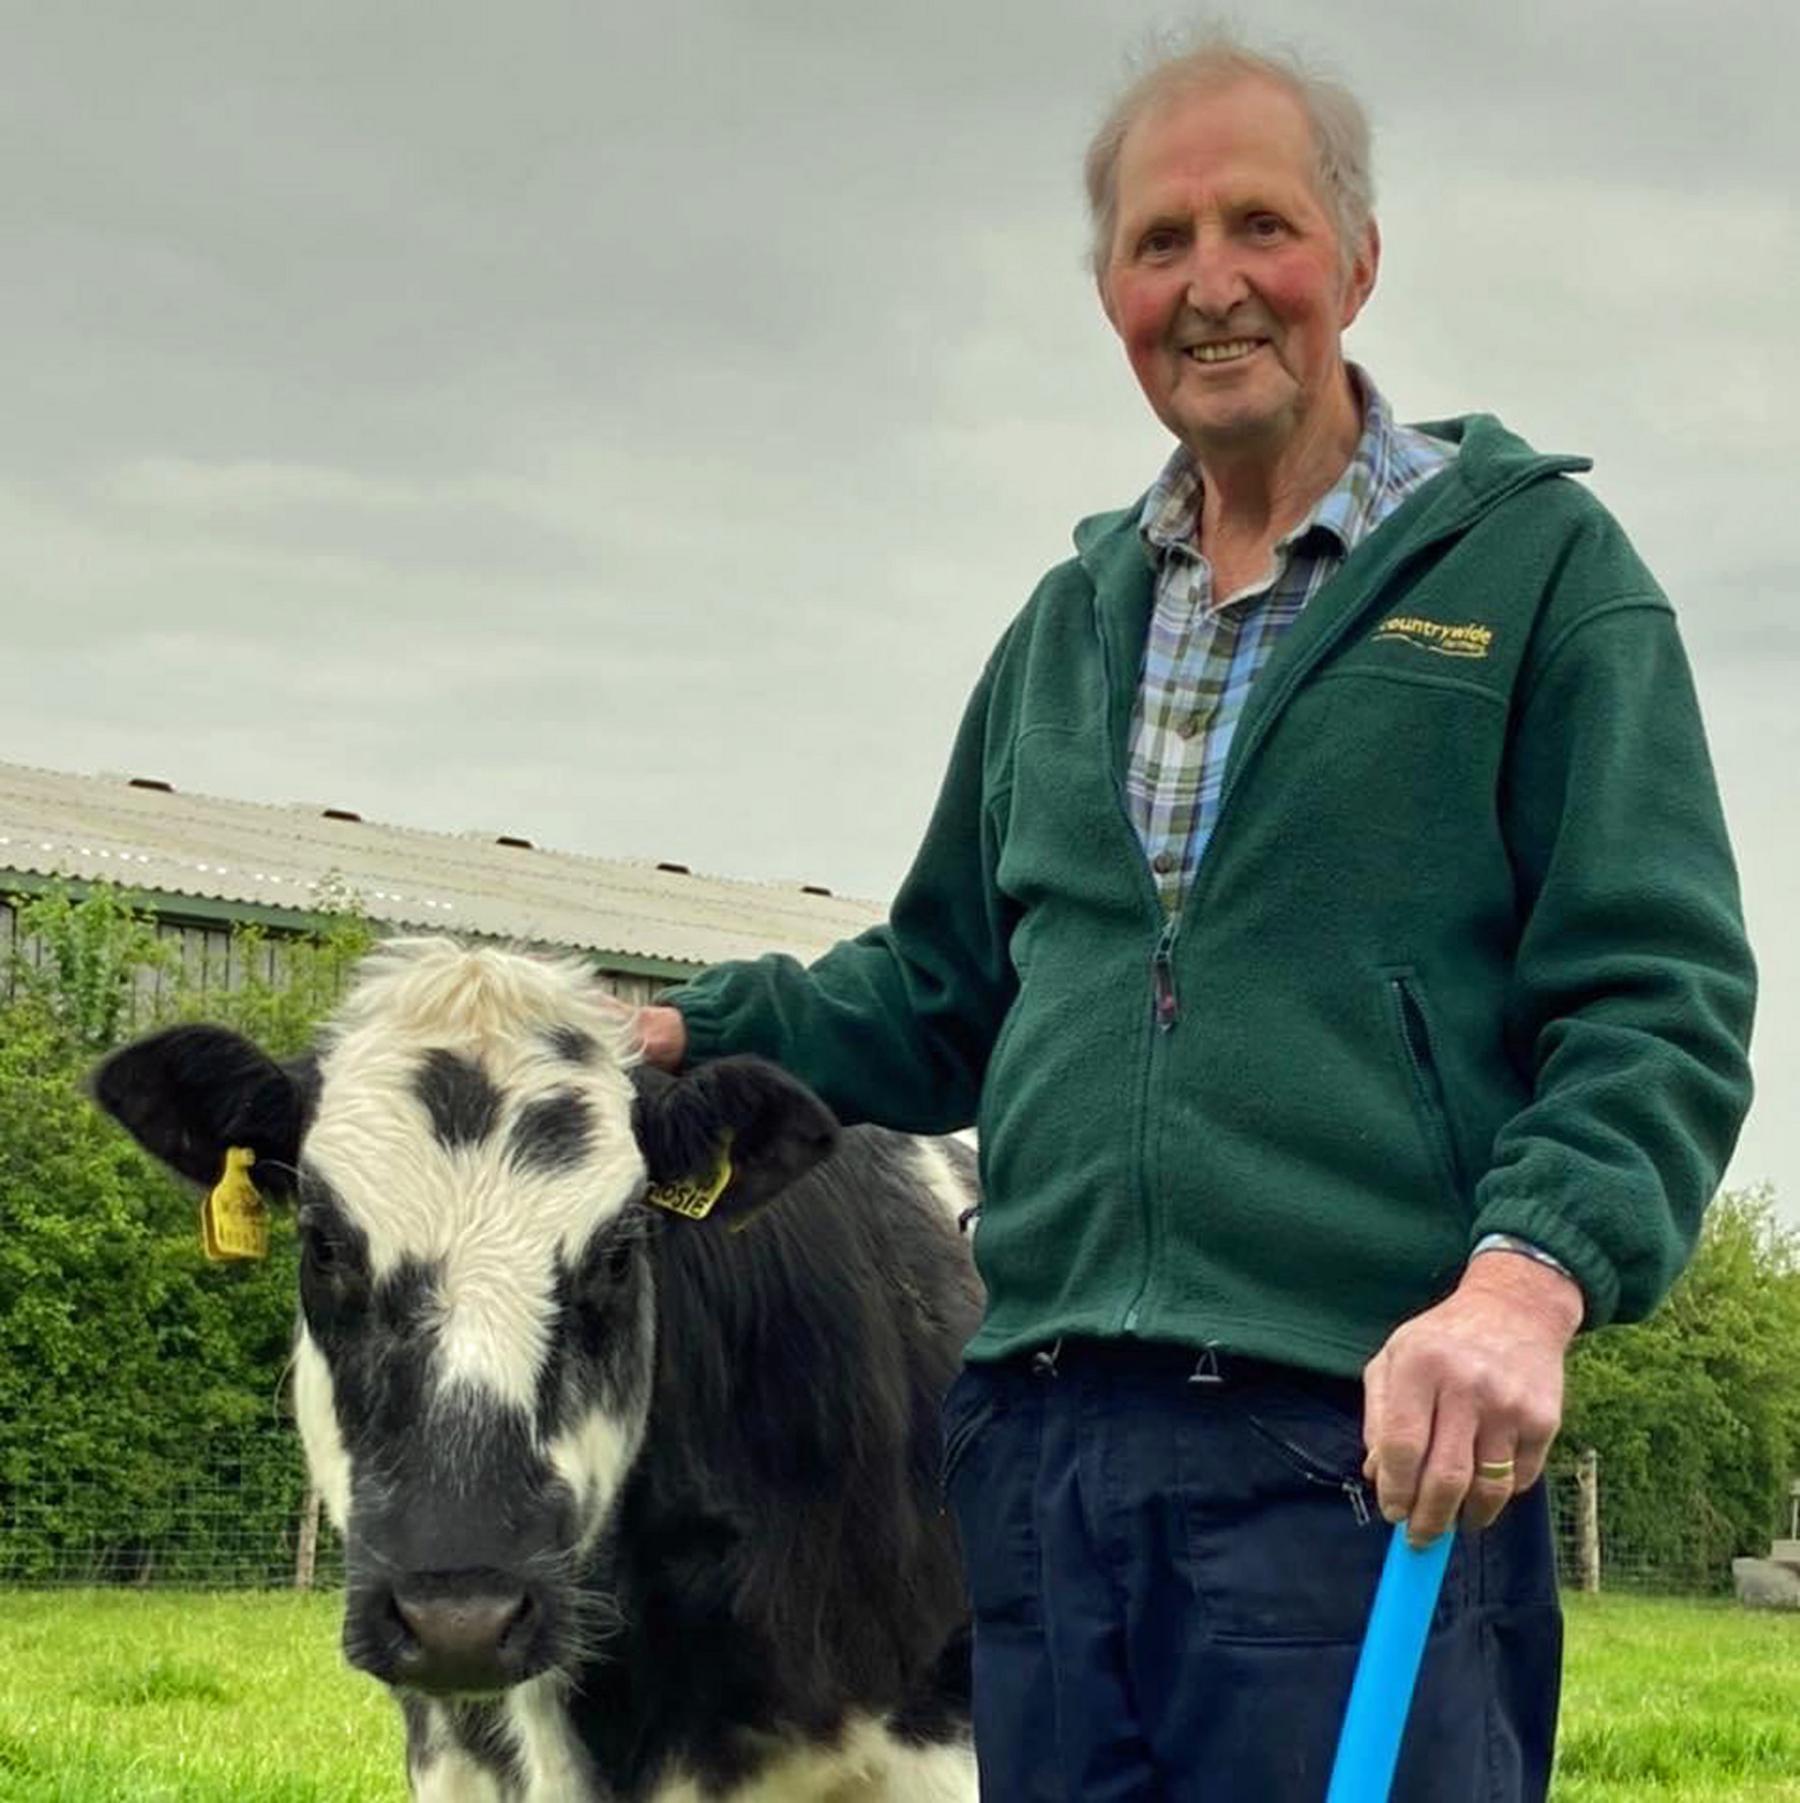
1162, 982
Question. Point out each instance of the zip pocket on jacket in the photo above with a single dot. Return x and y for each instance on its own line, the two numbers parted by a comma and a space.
1414, 1028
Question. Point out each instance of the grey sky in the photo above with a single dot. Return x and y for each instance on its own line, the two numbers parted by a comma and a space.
631, 427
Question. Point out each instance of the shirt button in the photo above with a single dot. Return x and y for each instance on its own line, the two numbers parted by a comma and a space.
1163, 863
1189, 726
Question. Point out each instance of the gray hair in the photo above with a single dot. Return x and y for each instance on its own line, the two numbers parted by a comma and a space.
1214, 57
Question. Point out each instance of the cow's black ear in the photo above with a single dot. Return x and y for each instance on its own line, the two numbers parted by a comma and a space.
743, 1114
187, 1093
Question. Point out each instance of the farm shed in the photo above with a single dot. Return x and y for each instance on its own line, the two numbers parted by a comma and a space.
202, 865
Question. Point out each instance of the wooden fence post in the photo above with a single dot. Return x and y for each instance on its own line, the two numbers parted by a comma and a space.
306, 1555
1587, 1481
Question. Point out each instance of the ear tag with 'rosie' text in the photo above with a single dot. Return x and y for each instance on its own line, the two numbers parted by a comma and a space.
234, 1219
694, 1198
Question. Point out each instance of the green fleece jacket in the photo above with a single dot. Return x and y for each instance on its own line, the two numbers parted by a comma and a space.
1464, 954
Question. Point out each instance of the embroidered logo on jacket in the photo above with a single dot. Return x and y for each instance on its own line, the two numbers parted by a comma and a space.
1469, 640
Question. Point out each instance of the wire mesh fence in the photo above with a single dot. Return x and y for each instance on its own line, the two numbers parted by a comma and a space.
240, 1515
1690, 1556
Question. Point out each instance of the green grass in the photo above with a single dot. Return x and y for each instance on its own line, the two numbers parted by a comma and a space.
1679, 1702
109, 1697
179, 1697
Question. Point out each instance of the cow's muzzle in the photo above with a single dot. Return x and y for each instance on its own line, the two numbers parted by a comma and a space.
449, 1633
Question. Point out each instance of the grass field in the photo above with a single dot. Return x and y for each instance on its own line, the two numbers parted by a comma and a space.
177, 1698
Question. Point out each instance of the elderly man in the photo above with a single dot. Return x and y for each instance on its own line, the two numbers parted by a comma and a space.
1329, 921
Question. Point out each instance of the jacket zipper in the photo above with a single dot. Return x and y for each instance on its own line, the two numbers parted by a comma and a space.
1165, 1006
1162, 978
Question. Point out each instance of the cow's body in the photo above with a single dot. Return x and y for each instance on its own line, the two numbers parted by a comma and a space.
636, 1509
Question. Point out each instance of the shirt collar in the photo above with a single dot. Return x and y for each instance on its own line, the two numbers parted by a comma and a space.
1170, 517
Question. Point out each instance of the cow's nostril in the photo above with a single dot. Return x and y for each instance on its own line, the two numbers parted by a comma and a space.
518, 1626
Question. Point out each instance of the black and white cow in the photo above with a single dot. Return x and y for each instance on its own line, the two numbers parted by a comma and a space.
634, 1507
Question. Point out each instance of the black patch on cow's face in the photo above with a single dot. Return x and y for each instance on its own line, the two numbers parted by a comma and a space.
462, 1103
376, 1338
572, 1045
552, 1133
599, 1357
334, 1262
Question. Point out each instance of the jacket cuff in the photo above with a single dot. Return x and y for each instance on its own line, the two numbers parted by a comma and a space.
1561, 1243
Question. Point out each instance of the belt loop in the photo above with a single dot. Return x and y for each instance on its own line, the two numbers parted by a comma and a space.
1206, 1367
1043, 1361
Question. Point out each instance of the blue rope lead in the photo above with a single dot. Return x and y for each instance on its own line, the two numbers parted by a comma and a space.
1386, 1670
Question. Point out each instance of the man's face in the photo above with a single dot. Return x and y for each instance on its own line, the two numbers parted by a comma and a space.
1225, 280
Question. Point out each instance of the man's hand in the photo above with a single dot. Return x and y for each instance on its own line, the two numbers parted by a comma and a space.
1462, 1403
664, 1036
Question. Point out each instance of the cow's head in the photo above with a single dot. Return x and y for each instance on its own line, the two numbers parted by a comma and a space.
469, 1151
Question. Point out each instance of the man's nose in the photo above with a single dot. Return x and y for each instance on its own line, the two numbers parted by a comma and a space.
1215, 279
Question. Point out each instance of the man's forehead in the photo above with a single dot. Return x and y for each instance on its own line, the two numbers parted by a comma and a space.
1236, 129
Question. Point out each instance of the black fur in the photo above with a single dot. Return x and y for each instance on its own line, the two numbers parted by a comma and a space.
462, 1103
784, 1512
770, 1127
551, 1134
186, 1094
572, 1045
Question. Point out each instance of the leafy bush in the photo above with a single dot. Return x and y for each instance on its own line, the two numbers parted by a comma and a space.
132, 1372
1695, 1413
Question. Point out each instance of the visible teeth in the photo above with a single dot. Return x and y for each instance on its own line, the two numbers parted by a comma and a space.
1222, 353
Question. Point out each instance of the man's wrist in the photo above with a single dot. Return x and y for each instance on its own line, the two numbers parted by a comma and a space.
1530, 1275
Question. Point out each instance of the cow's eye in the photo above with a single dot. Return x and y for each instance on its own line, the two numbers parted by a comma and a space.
320, 1248
329, 1267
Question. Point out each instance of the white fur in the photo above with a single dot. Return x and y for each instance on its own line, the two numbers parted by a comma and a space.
493, 1231
592, 1461
867, 1766
327, 1458
554, 1764
446, 1774
940, 1177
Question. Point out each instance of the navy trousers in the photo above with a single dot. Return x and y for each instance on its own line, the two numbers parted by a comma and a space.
1170, 1580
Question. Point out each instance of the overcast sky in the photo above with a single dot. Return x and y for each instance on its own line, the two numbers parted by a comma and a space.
630, 426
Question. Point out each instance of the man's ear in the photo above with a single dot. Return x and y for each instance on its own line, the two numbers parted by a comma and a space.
740, 1120
187, 1093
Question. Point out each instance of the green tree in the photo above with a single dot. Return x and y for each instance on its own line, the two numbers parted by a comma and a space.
1695, 1413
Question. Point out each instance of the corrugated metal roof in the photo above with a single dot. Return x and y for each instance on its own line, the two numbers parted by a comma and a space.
160, 842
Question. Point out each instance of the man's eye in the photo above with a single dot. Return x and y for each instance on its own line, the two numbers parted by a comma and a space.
1158, 243
1267, 225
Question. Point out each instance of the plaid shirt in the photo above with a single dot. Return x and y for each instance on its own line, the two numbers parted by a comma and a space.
1202, 653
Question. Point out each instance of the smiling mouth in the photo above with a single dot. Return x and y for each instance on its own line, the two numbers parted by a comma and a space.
1230, 350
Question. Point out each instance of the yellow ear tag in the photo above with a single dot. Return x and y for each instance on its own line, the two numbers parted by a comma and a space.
234, 1220
694, 1199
